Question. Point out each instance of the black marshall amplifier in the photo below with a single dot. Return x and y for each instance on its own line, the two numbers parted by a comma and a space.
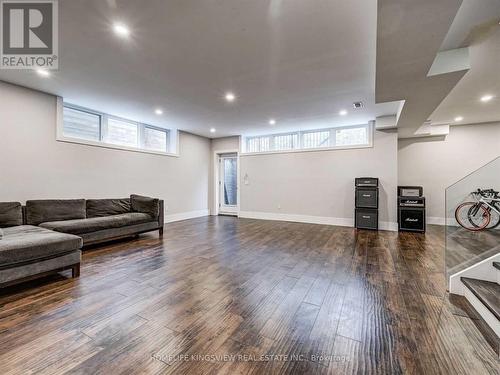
411, 214
366, 182
411, 202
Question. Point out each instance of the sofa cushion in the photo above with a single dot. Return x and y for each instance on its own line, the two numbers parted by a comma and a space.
26, 243
107, 207
41, 211
95, 224
11, 214
145, 205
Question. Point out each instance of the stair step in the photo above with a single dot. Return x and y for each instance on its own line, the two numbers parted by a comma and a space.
496, 265
487, 292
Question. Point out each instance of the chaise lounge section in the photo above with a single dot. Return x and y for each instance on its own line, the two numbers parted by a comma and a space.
46, 236
27, 251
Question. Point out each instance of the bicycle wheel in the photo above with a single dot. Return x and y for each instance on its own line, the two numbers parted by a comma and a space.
495, 218
472, 216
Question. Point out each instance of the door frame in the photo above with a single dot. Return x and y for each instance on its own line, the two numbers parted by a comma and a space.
216, 193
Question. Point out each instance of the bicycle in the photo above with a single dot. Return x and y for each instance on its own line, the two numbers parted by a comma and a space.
481, 214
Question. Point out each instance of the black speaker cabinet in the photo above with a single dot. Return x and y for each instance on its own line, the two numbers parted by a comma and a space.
366, 197
411, 219
366, 218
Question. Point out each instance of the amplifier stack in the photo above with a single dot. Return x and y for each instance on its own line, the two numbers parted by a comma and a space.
411, 209
366, 199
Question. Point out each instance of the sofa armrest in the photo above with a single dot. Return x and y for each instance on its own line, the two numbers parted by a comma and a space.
161, 214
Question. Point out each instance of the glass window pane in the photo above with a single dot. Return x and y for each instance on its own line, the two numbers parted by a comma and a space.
316, 139
230, 182
285, 142
264, 144
253, 145
258, 144
155, 139
122, 133
80, 124
351, 136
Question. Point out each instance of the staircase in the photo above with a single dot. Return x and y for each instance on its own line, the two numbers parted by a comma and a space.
480, 285
472, 259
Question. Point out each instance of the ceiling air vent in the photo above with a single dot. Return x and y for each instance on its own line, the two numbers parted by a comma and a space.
357, 105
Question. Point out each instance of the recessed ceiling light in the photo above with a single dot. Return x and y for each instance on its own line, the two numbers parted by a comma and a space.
486, 98
121, 30
230, 97
458, 118
212, 130
158, 111
343, 112
43, 72
272, 121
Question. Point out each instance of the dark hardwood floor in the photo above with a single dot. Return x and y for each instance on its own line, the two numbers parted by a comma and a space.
226, 295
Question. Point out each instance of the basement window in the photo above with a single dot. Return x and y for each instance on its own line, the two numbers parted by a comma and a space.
355, 136
82, 125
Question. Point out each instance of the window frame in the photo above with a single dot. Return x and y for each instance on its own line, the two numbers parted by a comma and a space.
103, 123
331, 146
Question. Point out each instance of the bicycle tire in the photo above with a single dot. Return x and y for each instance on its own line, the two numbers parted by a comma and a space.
467, 222
494, 225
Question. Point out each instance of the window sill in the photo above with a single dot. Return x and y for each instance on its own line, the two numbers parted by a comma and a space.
307, 150
113, 147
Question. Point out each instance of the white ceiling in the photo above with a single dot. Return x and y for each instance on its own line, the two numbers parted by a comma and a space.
409, 36
297, 61
476, 26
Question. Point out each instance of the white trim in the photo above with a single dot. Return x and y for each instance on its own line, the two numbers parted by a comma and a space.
486, 314
307, 150
215, 210
172, 139
186, 215
111, 146
325, 220
482, 270
370, 127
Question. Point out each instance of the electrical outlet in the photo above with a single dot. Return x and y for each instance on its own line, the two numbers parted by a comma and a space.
279, 206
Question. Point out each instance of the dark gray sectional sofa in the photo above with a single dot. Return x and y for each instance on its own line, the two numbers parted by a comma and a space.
47, 235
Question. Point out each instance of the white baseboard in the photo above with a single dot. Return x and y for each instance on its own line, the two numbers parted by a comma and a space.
435, 220
186, 215
325, 220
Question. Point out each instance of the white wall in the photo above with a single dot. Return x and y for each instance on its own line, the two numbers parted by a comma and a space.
319, 186
436, 164
33, 165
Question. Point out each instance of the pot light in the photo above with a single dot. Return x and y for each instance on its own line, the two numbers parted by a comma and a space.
158, 111
43, 72
121, 30
230, 97
486, 98
272, 121
458, 118
212, 130
343, 112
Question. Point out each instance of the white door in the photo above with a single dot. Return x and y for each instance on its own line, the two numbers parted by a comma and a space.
228, 184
